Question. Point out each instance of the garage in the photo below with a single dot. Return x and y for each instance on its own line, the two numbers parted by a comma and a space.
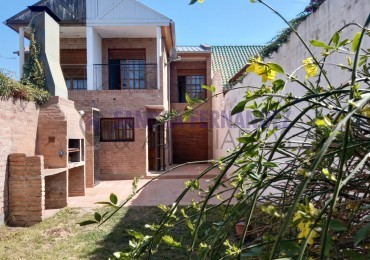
189, 142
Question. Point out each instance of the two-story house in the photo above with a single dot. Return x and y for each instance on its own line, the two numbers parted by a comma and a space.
122, 68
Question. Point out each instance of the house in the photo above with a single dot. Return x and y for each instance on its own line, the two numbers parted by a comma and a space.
122, 68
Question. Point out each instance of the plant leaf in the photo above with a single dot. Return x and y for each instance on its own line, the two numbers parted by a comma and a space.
276, 67
209, 88
321, 44
239, 107
337, 225
336, 38
356, 41
97, 217
270, 164
170, 241
113, 198
362, 234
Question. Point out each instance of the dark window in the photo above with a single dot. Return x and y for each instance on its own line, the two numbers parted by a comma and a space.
79, 84
192, 85
133, 74
127, 68
117, 129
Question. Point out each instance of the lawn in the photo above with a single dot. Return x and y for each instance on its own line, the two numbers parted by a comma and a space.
59, 237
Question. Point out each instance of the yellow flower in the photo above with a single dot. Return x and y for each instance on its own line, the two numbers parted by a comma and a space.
312, 70
305, 232
366, 111
200, 1
305, 218
261, 70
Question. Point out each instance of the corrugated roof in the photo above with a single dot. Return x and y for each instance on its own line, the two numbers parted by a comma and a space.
192, 49
229, 60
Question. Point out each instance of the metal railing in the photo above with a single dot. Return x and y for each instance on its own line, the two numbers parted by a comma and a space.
132, 75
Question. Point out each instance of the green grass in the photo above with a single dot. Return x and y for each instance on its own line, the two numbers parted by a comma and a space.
59, 237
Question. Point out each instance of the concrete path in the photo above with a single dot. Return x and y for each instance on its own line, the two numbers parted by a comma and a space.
161, 191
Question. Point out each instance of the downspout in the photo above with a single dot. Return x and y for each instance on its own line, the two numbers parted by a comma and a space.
169, 132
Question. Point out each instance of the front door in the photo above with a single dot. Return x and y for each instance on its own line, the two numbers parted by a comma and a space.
156, 146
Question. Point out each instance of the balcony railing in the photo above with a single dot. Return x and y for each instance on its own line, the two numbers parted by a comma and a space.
75, 76
126, 75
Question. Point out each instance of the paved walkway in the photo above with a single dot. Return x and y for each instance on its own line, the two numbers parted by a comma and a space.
161, 191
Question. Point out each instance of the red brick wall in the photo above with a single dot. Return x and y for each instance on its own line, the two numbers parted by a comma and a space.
18, 124
120, 160
26, 190
195, 62
72, 43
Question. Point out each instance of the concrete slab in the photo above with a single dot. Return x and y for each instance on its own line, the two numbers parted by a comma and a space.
162, 191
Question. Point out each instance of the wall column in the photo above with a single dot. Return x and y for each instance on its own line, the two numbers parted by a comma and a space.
159, 54
94, 56
21, 51
90, 57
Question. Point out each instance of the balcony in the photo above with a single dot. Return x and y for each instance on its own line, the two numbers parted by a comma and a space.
129, 74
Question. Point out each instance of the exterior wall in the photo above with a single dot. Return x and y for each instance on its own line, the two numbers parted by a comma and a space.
18, 121
150, 46
121, 160
128, 12
321, 25
204, 113
58, 122
72, 43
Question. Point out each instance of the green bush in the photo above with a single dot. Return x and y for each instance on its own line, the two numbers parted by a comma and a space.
9, 87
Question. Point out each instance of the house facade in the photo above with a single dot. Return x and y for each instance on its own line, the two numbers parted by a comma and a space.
123, 70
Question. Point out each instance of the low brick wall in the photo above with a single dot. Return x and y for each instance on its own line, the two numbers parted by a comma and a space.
56, 191
76, 182
18, 121
26, 190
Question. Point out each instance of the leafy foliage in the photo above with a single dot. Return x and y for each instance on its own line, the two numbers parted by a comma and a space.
284, 35
32, 85
301, 189
34, 70
9, 87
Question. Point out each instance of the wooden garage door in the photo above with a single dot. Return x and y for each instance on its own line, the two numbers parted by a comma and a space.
189, 142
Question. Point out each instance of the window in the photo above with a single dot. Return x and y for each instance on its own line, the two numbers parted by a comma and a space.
127, 69
192, 85
133, 74
77, 84
117, 130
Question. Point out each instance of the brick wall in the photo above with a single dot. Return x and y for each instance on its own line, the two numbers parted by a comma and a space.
194, 63
56, 191
120, 160
26, 190
150, 46
18, 124
58, 122
72, 43
76, 182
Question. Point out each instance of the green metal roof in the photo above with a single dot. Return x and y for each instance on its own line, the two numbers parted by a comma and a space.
229, 60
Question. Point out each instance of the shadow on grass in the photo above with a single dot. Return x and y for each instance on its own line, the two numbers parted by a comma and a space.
135, 218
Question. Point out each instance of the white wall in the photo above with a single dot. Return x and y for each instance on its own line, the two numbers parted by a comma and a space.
322, 25
94, 56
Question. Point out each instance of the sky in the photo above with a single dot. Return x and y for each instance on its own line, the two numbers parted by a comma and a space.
215, 22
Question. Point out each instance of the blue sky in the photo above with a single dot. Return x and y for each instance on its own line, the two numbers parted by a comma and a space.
216, 22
